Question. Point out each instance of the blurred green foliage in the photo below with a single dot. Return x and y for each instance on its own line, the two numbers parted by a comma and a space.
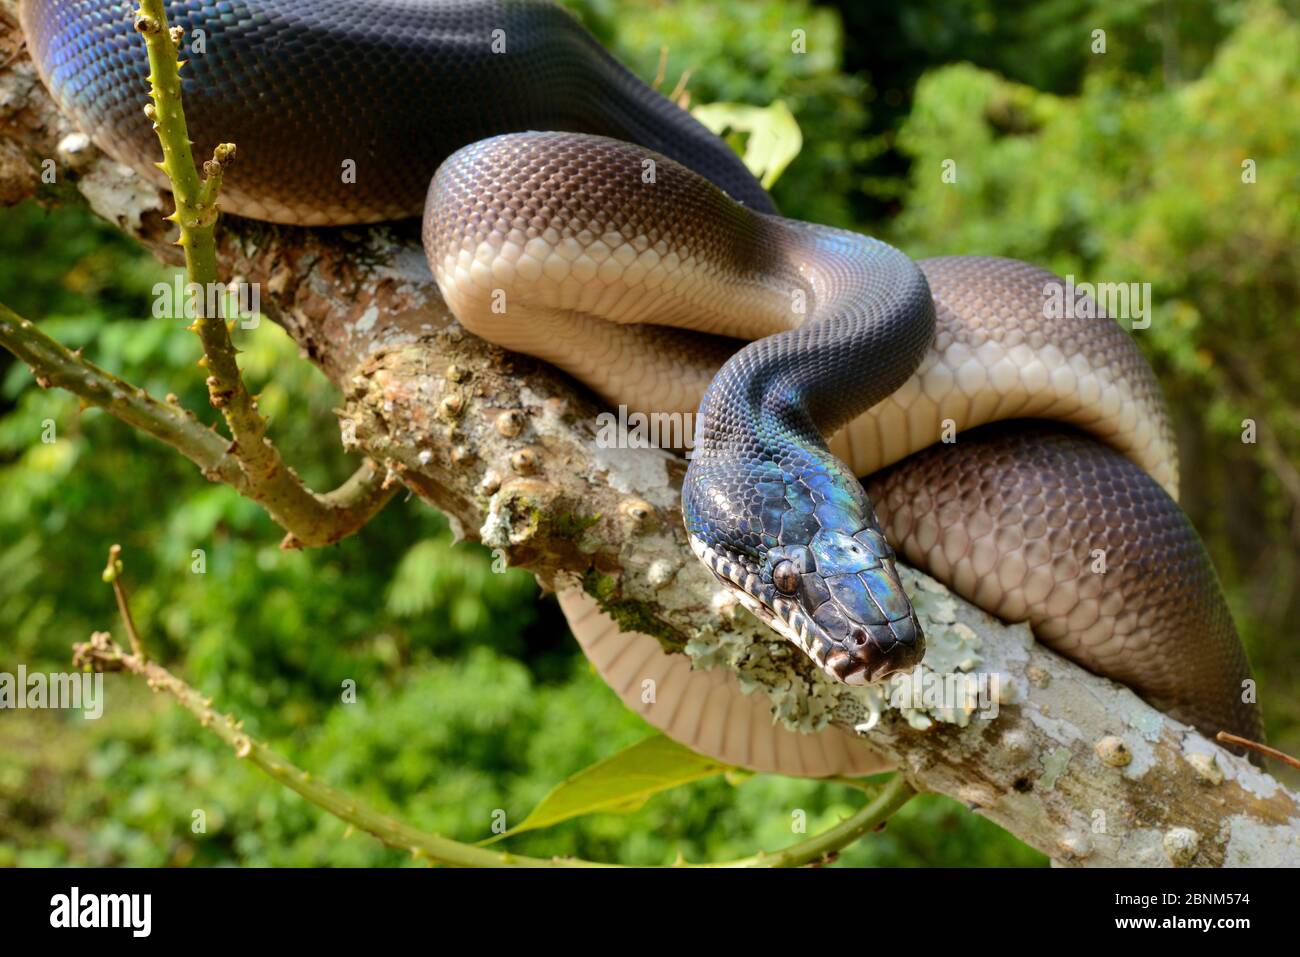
1124, 166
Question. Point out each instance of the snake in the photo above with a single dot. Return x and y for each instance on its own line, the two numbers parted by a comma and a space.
853, 406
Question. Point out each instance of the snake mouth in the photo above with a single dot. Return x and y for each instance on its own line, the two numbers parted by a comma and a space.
869, 657
867, 654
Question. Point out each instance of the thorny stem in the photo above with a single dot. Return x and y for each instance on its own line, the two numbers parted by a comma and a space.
56, 366
310, 519
101, 653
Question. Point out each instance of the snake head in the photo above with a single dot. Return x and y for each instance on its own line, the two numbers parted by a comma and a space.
842, 593
823, 577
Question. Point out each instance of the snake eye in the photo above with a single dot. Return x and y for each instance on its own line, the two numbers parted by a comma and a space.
785, 577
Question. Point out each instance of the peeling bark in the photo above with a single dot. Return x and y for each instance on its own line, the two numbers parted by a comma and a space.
1073, 764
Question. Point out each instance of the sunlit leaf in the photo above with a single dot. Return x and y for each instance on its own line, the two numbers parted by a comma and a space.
620, 784
771, 134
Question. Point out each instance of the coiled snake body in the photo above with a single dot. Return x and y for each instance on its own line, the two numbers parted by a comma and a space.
626, 217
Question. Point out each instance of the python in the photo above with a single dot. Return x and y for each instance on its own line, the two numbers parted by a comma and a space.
816, 467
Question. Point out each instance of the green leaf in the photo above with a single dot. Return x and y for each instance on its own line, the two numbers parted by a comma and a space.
620, 784
773, 137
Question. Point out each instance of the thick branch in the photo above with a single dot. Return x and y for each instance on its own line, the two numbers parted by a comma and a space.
1073, 764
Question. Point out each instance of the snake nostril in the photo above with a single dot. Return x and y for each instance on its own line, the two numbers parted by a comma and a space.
857, 638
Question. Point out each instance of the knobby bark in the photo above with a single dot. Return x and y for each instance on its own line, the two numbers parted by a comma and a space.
508, 449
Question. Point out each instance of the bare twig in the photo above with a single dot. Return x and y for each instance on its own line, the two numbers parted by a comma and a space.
825, 847
1263, 749
334, 516
679, 95
113, 576
661, 72
56, 366
102, 654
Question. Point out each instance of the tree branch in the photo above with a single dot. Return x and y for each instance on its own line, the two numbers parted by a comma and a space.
332, 515
505, 446
101, 653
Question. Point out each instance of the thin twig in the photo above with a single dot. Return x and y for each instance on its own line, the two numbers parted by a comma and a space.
334, 516
679, 94
1263, 749
308, 519
103, 654
823, 848
56, 366
663, 68
113, 575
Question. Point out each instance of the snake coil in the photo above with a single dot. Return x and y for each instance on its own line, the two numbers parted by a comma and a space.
628, 216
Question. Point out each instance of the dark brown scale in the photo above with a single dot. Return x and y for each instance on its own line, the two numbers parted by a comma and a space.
1049, 501
304, 87
576, 184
